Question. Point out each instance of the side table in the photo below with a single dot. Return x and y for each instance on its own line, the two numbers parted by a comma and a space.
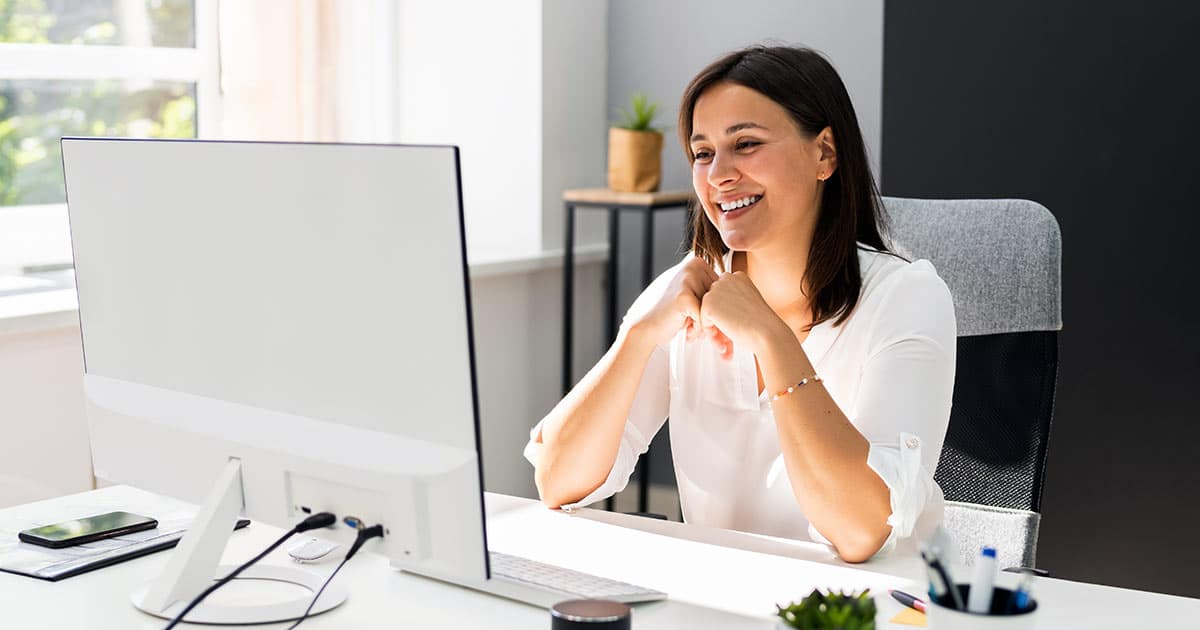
614, 202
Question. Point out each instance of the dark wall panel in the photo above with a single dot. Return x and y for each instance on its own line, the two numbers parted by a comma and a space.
1090, 109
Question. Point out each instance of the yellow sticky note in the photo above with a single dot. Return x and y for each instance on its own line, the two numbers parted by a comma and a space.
910, 617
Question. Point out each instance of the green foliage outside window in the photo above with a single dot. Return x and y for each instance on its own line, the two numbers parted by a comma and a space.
34, 114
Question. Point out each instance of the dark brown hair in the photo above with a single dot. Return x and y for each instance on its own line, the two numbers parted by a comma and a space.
805, 84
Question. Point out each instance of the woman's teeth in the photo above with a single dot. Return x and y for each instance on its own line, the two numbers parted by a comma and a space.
740, 203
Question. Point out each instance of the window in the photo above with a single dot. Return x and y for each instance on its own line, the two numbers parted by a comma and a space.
138, 68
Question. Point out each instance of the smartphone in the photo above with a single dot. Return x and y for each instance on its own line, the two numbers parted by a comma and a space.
86, 530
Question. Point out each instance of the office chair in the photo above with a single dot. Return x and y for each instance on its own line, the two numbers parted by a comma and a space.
1001, 260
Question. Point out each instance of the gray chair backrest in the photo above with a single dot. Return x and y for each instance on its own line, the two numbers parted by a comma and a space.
1002, 261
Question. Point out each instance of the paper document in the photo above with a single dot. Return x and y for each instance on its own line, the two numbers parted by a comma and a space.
52, 564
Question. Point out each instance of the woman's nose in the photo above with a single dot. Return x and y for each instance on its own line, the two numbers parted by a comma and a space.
721, 171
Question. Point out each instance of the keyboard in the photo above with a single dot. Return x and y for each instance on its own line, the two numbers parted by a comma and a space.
570, 584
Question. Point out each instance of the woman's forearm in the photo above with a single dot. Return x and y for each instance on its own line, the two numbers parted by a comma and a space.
825, 456
580, 436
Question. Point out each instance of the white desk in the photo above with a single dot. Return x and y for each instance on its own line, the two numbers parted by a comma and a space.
716, 579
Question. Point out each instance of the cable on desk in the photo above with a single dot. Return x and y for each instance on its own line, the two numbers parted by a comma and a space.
375, 531
316, 521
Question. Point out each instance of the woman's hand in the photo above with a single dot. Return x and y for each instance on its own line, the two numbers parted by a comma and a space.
679, 305
734, 312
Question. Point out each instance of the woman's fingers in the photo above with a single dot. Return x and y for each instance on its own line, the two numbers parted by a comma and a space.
713, 334
689, 309
697, 281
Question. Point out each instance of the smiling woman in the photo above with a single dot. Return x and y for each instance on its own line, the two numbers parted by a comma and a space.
806, 370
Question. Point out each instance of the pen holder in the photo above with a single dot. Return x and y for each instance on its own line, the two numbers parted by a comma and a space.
942, 615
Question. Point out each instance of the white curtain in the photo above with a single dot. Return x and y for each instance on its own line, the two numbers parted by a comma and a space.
308, 70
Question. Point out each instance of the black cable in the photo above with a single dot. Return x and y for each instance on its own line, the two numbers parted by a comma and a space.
375, 531
316, 521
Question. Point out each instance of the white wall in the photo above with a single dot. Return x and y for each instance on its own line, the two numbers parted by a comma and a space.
574, 119
470, 75
520, 87
44, 449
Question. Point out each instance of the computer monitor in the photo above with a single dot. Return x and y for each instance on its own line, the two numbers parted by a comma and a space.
281, 328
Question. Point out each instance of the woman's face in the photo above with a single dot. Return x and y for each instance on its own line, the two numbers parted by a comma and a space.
754, 171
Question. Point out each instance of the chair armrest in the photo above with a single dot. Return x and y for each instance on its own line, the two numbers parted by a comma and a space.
1031, 570
661, 517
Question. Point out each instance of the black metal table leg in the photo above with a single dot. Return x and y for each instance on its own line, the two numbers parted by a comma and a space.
610, 310
647, 272
568, 326
614, 232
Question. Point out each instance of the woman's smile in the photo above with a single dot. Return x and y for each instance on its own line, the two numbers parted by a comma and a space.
732, 210
740, 202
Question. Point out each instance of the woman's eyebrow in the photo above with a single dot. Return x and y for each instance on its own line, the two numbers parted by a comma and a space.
697, 137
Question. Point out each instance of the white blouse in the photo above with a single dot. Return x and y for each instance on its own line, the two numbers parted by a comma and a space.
889, 367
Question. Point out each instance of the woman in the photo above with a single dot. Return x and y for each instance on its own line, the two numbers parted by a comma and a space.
807, 372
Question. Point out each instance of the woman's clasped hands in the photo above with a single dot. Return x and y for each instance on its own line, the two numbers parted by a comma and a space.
724, 309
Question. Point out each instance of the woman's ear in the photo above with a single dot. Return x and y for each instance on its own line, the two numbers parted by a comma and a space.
827, 161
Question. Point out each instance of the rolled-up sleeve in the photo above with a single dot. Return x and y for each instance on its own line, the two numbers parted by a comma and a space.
904, 397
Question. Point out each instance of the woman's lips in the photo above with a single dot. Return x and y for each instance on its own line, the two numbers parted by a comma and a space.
734, 214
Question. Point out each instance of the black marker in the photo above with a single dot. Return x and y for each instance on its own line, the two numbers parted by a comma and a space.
940, 582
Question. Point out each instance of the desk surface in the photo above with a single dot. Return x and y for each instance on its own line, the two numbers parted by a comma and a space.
716, 579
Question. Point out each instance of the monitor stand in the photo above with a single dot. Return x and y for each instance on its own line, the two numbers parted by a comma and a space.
193, 567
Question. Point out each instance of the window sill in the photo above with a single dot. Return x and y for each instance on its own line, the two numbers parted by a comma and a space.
38, 312
487, 264
50, 310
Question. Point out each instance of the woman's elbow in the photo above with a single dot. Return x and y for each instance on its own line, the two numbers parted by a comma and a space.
557, 487
859, 546
549, 497
551, 491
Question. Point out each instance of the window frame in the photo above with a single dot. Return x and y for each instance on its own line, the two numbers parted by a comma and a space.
199, 65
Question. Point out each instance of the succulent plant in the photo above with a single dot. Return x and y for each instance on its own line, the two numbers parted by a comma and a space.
642, 116
831, 611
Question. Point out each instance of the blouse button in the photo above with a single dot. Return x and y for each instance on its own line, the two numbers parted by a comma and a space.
912, 442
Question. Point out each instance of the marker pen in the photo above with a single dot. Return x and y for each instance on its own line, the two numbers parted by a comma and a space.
1020, 598
939, 581
983, 582
907, 600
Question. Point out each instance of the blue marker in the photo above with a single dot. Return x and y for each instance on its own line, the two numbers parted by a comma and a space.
983, 583
1020, 597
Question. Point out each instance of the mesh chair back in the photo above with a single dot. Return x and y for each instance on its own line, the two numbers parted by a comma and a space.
1001, 260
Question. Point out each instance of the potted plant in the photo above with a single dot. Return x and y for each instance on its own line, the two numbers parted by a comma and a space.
830, 611
635, 149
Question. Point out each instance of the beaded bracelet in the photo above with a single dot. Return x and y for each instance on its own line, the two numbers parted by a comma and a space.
804, 381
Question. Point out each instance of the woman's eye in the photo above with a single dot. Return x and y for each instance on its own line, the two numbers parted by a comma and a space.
746, 144
703, 154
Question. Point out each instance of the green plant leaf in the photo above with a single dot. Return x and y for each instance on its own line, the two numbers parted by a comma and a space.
642, 116
830, 611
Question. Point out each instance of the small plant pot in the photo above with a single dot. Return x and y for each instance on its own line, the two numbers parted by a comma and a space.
634, 160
